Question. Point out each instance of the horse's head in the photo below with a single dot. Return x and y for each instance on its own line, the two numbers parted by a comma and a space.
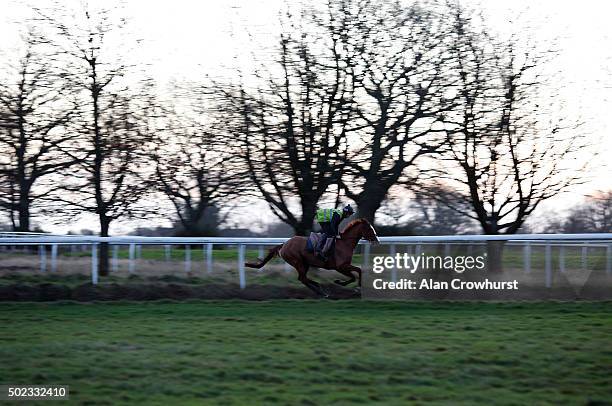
369, 233
360, 228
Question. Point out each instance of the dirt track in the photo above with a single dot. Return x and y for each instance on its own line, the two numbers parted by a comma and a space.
149, 291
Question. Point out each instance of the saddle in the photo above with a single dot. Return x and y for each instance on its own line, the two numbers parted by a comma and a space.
313, 242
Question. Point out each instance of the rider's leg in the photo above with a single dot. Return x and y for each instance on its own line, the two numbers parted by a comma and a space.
326, 231
321, 244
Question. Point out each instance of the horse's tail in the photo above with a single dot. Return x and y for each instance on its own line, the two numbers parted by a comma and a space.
271, 254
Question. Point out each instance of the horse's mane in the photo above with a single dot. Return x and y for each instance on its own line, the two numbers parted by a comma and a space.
354, 223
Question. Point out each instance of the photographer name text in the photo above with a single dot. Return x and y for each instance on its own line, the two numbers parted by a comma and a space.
455, 284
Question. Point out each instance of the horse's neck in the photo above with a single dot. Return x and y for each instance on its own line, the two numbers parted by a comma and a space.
352, 236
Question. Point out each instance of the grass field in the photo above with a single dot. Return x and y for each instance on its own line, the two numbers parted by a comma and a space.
312, 352
155, 253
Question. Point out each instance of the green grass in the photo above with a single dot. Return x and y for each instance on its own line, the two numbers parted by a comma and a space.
177, 253
312, 352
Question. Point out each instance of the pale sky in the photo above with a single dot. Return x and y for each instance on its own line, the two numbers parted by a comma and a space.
187, 39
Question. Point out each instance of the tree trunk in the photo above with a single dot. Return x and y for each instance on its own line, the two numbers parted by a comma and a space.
191, 226
24, 201
370, 199
495, 253
367, 205
103, 260
300, 229
24, 213
304, 226
309, 210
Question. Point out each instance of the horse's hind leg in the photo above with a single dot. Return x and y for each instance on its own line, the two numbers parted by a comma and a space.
309, 283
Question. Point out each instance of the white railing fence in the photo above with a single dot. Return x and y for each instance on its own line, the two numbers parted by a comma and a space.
585, 242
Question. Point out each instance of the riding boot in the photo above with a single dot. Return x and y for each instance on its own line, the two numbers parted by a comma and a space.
320, 247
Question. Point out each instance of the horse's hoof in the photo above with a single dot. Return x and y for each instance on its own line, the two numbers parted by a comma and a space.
323, 295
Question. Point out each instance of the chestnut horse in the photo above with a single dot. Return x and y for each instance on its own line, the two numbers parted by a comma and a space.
295, 254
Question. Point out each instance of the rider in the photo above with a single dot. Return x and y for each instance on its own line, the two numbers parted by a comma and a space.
329, 220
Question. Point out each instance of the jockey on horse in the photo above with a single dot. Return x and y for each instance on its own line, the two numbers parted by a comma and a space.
329, 220
295, 253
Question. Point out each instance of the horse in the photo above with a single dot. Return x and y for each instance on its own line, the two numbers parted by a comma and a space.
295, 254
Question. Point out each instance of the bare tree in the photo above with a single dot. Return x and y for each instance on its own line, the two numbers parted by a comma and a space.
394, 54
436, 218
509, 153
113, 122
407, 213
292, 125
34, 135
594, 215
195, 168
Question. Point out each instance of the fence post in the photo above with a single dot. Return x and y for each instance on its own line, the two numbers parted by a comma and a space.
562, 259
54, 258
260, 254
260, 251
527, 257
167, 252
132, 264
42, 252
366, 255
94, 264
548, 265
203, 254
394, 269
241, 266
584, 256
447, 250
115, 258
209, 257
139, 251
609, 259
187, 258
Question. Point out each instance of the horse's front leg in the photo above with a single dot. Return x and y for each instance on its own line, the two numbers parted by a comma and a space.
346, 282
348, 270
